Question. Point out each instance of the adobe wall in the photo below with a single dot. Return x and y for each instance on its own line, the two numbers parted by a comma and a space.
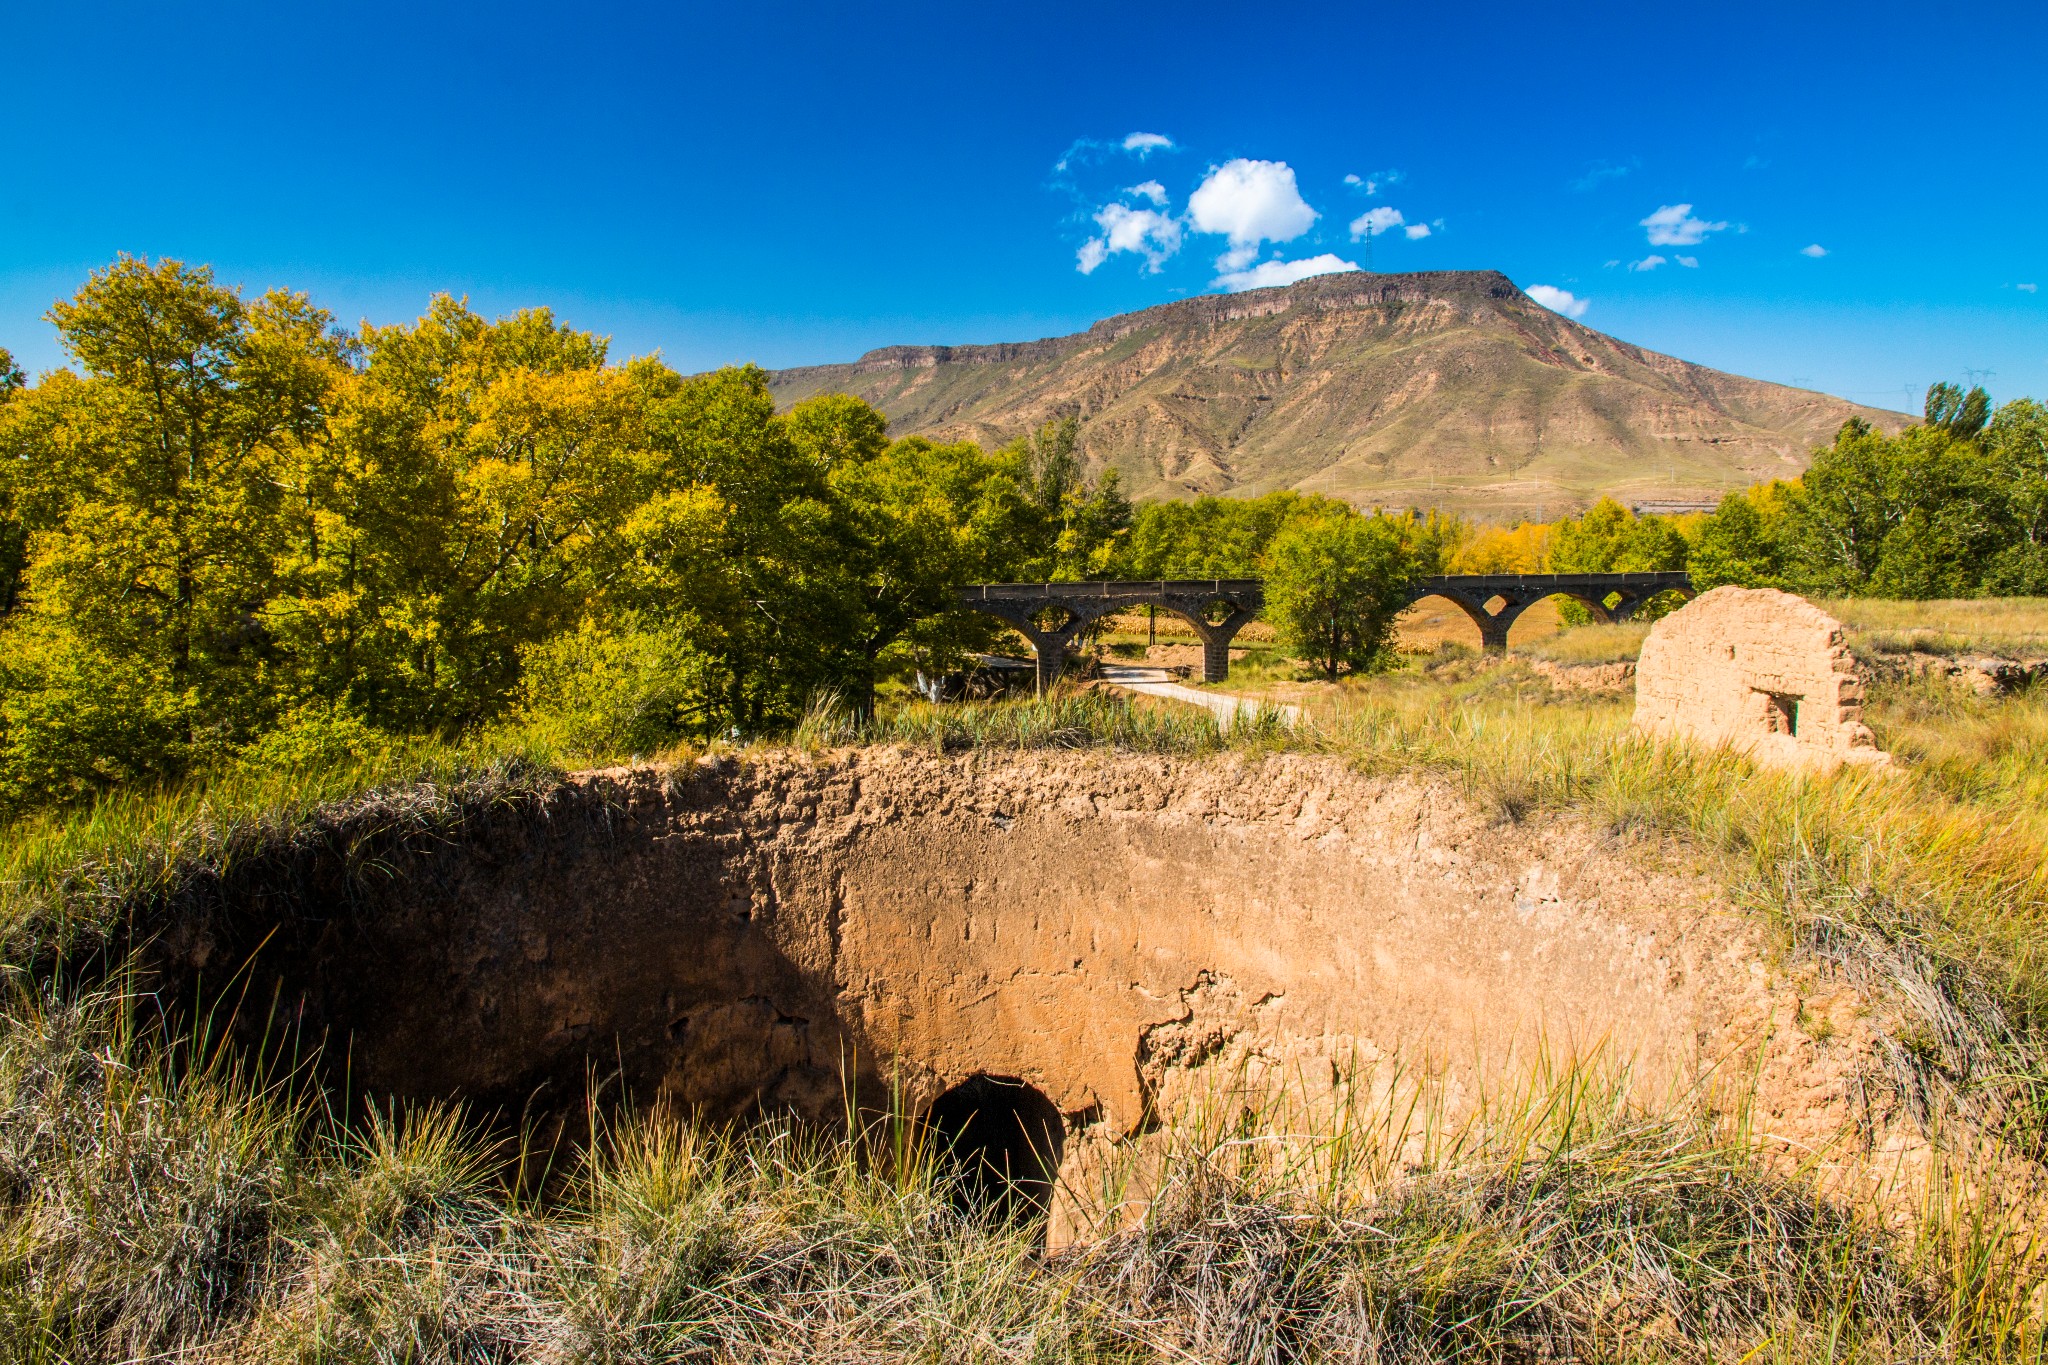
741, 938
1760, 671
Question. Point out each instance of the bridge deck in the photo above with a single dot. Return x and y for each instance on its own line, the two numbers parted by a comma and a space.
1609, 596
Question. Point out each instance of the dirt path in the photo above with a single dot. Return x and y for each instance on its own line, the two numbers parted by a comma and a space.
1158, 682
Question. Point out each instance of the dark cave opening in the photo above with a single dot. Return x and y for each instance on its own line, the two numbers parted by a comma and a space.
1001, 1142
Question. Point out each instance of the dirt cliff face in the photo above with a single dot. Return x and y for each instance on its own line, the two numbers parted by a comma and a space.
1450, 389
1100, 926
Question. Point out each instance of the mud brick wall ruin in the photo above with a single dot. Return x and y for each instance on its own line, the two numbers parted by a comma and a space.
1762, 672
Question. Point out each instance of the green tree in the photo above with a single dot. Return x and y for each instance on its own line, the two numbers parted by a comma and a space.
13, 532
1738, 545
1915, 515
737, 540
1961, 415
1335, 584
1609, 538
1212, 537
464, 501
1053, 456
915, 522
1077, 530
2016, 443
147, 490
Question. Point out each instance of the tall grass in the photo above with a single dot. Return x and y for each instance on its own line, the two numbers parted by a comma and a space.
156, 1205
69, 875
156, 1201
1066, 720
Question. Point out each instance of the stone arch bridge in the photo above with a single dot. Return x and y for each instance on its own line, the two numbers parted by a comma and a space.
1050, 615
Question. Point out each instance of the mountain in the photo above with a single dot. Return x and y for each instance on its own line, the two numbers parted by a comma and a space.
1451, 389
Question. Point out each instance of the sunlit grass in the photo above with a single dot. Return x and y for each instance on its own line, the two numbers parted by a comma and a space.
159, 1204
1602, 643
2010, 627
305, 1240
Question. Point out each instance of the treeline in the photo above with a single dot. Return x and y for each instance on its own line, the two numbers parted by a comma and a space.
234, 521
233, 517
1954, 506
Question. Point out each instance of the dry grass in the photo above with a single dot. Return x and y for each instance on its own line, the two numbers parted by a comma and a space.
2006, 627
2010, 627
154, 1205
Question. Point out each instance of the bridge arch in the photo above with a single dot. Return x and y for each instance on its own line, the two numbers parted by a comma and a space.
1019, 605
1609, 596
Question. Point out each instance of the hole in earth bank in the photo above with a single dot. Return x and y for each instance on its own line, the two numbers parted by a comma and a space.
1000, 1141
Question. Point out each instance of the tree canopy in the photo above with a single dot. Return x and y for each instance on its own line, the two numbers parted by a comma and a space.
231, 510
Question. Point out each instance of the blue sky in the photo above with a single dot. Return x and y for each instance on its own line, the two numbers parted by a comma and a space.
793, 184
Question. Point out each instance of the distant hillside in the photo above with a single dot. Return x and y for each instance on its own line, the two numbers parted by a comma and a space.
1451, 389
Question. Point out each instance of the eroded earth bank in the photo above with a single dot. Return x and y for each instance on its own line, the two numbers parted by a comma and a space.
1109, 929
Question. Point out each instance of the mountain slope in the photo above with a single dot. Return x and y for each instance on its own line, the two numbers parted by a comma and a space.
1451, 389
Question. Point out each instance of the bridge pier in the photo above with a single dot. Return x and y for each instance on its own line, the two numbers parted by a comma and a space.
1474, 593
1240, 599
1216, 638
1022, 604
1049, 653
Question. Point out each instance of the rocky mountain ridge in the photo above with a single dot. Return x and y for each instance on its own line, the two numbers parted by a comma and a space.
1450, 388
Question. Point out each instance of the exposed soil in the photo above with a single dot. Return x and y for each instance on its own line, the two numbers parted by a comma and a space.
1100, 927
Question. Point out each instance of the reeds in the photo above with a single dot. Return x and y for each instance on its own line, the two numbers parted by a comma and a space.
156, 1204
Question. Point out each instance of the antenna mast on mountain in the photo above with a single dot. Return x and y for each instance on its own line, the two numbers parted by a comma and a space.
1368, 248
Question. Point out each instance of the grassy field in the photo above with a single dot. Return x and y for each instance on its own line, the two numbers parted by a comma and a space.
2007, 627
158, 1202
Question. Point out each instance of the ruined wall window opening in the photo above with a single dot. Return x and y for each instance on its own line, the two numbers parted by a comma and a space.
1781, 714
999, 1142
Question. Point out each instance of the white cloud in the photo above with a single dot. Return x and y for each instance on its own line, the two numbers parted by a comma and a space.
1149, 189
1089, 151
1353, 180
1249, 202
1266, 274
1417, 231
2028, 288
1376, 181
1374, 222
1813, 249
1605, 170
1613, 263
1674, 225
1689, 262
1148, 232
1650, 262
1558, 300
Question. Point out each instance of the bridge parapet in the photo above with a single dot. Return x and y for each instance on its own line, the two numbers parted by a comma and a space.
1231, 601
1608, 596
1050, 615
